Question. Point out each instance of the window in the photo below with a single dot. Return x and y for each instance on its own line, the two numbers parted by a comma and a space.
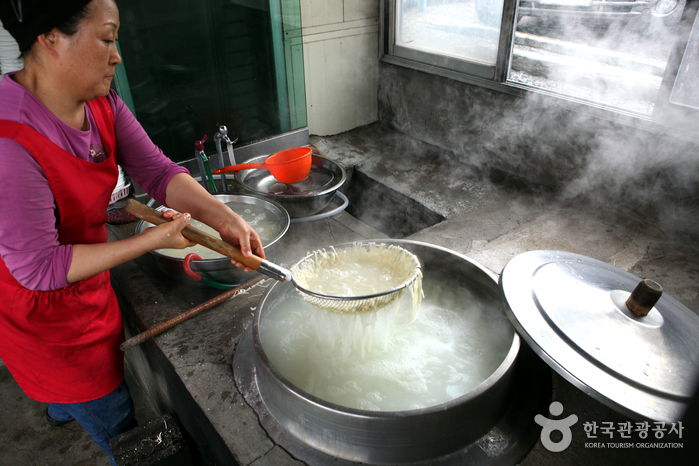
189, 67
463, 29
460, 35
608, 53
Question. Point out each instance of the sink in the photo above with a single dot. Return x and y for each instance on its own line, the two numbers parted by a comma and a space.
385, 209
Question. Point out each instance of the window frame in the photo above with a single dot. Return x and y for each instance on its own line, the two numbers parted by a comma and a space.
493, 77
497, 73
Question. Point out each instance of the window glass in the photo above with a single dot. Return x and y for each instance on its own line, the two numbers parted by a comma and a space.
463, 29
192, 66
612, 53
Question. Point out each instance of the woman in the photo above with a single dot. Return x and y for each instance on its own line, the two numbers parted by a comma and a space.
62, 132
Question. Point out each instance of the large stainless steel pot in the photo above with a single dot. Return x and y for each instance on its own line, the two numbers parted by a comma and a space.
222, 270
595, 342
389, 437
302, 199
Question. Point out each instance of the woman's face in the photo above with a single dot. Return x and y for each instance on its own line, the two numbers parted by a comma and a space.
89, 57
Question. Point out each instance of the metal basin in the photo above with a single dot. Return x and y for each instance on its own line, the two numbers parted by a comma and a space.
385, 437
222, 270
302, 199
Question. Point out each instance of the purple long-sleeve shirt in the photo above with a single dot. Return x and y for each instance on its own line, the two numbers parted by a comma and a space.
28, 236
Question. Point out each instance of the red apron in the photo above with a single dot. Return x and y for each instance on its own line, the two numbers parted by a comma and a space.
62, 345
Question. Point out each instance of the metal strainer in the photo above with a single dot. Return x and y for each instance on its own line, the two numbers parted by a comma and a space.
400, 269
400, 262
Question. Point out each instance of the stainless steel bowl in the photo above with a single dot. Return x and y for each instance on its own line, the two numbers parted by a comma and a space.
222, 270
302, 199
381, 437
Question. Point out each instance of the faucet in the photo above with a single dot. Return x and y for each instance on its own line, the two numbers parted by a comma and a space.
222, 134
204, 168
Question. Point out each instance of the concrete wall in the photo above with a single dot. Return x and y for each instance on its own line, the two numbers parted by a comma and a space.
547, 142
340, 47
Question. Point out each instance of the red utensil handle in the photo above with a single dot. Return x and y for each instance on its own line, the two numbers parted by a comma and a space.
240, 166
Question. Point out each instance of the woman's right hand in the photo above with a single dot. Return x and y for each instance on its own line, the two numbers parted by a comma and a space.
91, 259
169, 235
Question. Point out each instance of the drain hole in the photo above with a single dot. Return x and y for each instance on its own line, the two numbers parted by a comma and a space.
387, 210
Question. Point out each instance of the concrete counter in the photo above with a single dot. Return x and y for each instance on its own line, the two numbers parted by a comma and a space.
187, 370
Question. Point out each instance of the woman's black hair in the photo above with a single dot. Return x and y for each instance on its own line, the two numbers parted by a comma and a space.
72, 24
69, 27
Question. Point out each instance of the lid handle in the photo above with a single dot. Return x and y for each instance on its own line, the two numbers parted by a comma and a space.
644, 297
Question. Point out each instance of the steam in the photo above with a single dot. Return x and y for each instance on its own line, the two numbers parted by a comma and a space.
648, 167
648, 164
614, 63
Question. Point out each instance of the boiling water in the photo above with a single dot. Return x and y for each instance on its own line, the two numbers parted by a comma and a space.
455, 343
265, 223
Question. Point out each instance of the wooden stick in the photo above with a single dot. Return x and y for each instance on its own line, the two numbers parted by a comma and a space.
148, 214
168, 324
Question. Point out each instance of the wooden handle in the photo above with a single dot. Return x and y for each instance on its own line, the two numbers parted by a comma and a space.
142, 211
240, 166
644, 297
168, 324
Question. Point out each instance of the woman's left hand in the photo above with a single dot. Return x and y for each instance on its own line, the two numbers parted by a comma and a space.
187, 195
238, 232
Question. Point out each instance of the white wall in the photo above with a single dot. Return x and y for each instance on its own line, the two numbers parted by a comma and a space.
9, 53
340, 48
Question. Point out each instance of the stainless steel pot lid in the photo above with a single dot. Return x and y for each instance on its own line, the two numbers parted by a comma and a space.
319, 179
572, 311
